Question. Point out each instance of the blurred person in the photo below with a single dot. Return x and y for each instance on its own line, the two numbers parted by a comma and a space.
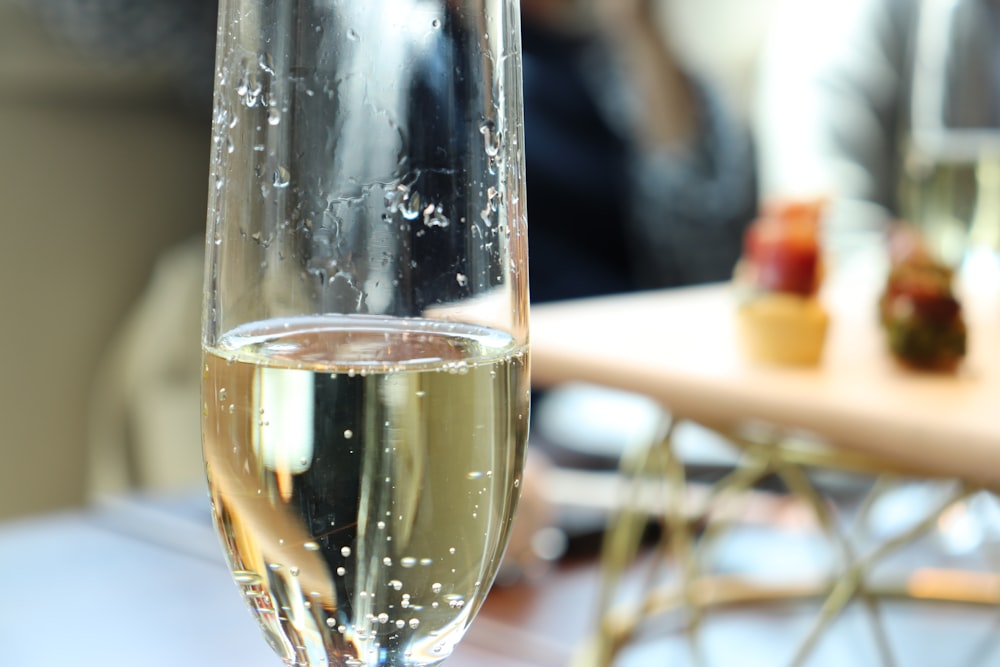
841, 86
639, 175
833, 99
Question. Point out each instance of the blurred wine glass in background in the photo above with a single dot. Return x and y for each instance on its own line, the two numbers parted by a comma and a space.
951, 163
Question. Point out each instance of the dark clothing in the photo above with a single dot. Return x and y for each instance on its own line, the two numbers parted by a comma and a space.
605, 216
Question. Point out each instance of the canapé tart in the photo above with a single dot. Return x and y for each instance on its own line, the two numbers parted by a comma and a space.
779, 317
920, 314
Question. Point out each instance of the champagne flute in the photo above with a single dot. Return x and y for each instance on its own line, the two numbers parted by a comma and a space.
950, 183
365, 378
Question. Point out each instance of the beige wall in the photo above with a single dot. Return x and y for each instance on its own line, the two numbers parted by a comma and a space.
99, 172
722, 39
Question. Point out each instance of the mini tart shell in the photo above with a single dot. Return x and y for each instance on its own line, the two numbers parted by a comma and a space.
782, 329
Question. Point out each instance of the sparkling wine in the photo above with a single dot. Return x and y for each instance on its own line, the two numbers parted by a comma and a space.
362, 473
955, 201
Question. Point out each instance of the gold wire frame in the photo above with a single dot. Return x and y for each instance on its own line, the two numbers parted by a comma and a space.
656, 489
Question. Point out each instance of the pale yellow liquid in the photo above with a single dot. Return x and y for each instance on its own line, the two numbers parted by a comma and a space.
955, 203
364, 503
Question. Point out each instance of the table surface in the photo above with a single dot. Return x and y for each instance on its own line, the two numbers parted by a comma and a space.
141, 582
680, 347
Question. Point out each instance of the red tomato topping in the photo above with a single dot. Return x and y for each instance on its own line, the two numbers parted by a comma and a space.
782, 247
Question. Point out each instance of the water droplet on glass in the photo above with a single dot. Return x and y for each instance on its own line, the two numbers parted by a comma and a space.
273, 116
294, 571
281, 177
383, 617
353, 35
436, 23
311, 546
475, 474
461, 279
387, 561
345, 551
252, 93
341, 571
434, 217
396, 585
436, 587
331, 622
408, 562
266, 63
491, 138
348, 434
395, 196
410, 207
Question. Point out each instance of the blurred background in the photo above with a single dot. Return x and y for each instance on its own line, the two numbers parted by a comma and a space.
102, 168
103, 176
105, 142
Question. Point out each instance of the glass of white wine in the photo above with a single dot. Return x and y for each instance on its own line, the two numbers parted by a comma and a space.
365, 381
951, 163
